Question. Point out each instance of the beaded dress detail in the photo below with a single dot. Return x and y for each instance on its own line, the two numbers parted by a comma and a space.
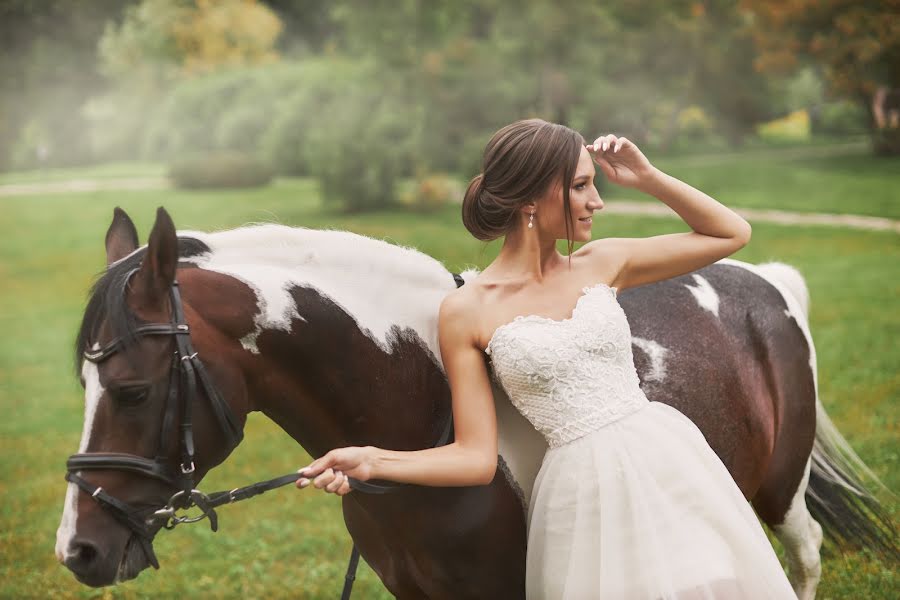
630, 501
555, 375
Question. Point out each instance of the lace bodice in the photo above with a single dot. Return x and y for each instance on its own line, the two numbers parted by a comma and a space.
573, 376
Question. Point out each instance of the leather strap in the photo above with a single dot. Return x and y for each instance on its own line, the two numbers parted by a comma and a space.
95, 461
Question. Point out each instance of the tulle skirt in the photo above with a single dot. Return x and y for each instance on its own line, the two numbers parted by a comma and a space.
644, 509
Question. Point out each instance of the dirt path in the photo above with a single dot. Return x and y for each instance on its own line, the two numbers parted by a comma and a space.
758, 215
83, 185
621, 207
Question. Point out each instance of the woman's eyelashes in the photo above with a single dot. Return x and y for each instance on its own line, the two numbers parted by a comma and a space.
581, 185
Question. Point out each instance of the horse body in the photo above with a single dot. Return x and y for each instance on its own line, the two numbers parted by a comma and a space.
334, 337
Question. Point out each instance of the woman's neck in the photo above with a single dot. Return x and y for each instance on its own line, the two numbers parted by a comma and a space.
525, 255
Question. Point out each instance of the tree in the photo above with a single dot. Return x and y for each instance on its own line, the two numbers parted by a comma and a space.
160, 42
48, 69
857, 43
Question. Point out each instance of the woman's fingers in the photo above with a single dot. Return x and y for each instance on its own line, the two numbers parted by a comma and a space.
606, 142
619, 144
336, 483
324, 478
607, 168
318, 466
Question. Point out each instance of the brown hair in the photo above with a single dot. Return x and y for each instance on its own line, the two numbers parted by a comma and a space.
520, 163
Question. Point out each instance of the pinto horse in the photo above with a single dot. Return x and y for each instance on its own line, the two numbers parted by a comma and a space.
333, 336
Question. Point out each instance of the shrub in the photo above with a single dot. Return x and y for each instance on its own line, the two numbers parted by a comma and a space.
358, 147
432, 191
793, 127
220, 170
839, 118
241, 128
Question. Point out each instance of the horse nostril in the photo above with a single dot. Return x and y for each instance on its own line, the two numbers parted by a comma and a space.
82, 557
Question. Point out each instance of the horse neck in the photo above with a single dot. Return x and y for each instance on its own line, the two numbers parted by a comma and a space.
327, 381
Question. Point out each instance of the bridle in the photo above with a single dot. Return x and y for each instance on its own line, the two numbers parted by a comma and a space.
187, 369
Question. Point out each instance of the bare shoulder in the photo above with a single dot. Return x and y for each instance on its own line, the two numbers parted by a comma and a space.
606, 255
457, 314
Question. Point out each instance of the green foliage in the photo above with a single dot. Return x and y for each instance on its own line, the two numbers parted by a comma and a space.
841, 118
309, 88
48, 66
358, 147
793, 127
432, 191
240, 129
219, 170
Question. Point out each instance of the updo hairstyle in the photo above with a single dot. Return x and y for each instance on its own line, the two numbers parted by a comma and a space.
520, 163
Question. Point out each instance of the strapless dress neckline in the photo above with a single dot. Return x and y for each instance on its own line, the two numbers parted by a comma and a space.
533, 317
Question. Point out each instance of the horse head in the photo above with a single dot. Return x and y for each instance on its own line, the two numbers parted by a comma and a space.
154, 423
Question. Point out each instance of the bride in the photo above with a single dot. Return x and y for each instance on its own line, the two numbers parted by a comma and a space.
630, 501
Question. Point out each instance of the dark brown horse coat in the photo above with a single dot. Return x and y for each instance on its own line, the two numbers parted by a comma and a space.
334, 337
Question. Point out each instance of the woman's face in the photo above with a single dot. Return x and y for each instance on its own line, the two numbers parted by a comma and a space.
584, 199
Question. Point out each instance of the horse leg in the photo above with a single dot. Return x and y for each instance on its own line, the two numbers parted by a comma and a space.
369, 540
801, 537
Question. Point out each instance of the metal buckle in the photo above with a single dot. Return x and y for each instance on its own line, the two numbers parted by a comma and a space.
169, 512
187, 470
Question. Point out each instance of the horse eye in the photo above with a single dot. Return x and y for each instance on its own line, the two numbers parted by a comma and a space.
130, 395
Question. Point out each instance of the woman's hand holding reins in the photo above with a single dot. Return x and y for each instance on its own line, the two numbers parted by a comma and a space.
332, 471
621, 161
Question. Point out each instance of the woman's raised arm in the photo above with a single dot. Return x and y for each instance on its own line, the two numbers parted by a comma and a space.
717, 232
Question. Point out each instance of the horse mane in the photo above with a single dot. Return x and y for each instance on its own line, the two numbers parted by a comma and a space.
294, 249
106, 300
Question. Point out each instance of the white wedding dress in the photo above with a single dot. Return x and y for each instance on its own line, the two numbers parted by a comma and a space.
630, 502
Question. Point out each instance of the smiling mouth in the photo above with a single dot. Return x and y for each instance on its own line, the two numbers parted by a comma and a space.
588, 220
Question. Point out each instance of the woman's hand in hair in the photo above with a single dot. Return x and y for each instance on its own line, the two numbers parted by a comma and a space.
621, 161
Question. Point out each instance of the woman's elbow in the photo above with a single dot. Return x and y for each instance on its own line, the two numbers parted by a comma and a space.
487, 470
744, 235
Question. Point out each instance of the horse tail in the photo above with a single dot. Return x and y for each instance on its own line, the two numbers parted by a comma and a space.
836, 496
839, 500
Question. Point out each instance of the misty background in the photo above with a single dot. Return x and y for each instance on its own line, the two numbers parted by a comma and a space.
378, 90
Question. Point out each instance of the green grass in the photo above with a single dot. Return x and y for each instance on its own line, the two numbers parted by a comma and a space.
123, 170
291, 543
846, 180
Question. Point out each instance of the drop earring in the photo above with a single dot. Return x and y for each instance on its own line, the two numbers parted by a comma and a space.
531, 221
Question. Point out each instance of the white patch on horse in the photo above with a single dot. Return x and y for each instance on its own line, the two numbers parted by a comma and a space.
657, 355
801, 537
93, 391
790, 284
705, 294
380, 285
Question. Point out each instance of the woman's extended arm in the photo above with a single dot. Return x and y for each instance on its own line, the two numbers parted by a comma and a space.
470, 460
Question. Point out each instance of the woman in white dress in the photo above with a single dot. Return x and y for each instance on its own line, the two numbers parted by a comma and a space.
630, 501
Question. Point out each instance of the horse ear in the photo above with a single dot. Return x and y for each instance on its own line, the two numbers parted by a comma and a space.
121, 237
157, 270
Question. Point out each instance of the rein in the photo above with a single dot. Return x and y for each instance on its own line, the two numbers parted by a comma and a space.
187, 370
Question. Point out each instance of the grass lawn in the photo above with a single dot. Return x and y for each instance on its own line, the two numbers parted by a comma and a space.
123, 170
847, 180
291, 543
